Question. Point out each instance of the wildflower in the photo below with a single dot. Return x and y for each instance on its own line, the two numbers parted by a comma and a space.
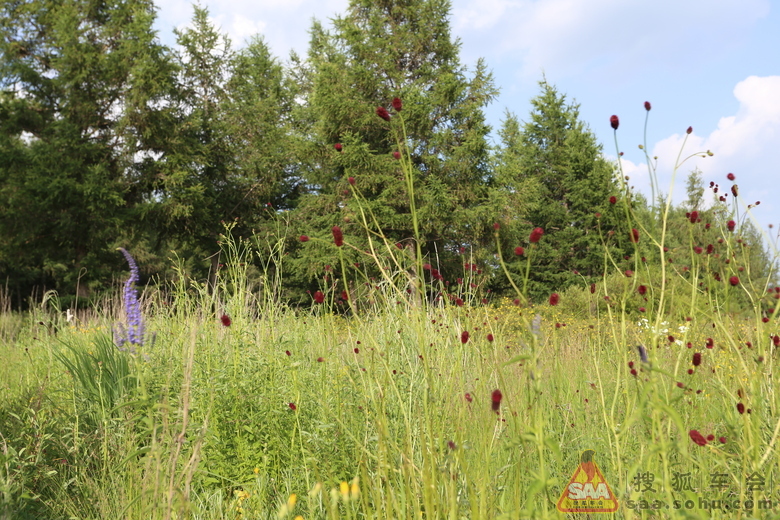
693, 217
614, 122
722, 440
697, 437
303, 238
647, 106
292, 406
741, 408
536, 234
225, 319
320, 359
629, 273
709, 343
338, 236
319, 297
459, 302
351, 181
592, 288
689, 130
642, 309
490, 337
642, 353
633, 372
496, 226
397, 105
396, 155
287, 352
730, 176
634, 236
451, 445
383, 113
344, 490
698, 250
642, 290
519, 251
134, 334
468, 397
464, 337
495, 398
613, 200
734, 280
554, 299
338, 147
696, 359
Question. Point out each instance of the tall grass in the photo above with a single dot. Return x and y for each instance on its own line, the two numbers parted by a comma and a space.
244, 408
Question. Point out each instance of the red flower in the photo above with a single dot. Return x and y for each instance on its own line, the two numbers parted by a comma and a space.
722, 440
303, 238
730, 176
338, 236
698, 250
344, 295
642, 290
459, 302
496, 400
337, 146
396, 155
690, 129
734, 190
320, 359
536, 234
642, 309
614, 122
696, 359
319, 297
292, 406
519, 251
464, 337
648, 106
490, 337
593, 288
468, 397
731, 225
634, 236
451, 445
351, 181
734, 280
697, 437
629, 273
554, 299
397, 105
613, 200
383, 113
694, 217
740, 408
496, 226
225, 319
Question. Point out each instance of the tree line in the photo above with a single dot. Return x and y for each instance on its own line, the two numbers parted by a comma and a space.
110, 139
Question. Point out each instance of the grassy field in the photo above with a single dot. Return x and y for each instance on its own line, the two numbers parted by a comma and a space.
236, 408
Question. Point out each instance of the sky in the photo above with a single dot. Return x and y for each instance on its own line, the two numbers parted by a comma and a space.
713, 65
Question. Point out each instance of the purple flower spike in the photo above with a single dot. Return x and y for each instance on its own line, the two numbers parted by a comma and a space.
133, 332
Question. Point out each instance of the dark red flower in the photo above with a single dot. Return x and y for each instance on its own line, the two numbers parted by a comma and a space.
519, 251
303, 238
648, 106
287, 352
690, 129
344, 295
536, 234
734, 280
320, 359
710, 437
383, 113
722, 440
468, 397
338, 236
319, 297
634, 236
396, 155
464, 337
554, 299
642, 309
613, 200
697, 437
698, 250
641, 290
225, 319
709, 343
451, 445
694, 217
338, 147
614, 122
593, 288
495, 398
397, 104
629, 273
740, 408
490, 337
459, 302
696, 359
496, 226
292, 406
730, 176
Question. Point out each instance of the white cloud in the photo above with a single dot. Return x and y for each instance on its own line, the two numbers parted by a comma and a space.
745, 144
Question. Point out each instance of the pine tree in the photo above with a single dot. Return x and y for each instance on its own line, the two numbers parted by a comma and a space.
81, 113
576, 183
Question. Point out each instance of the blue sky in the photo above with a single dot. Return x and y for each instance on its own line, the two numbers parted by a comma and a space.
710, 64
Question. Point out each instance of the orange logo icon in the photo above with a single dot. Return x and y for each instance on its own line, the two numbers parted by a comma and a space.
587, 490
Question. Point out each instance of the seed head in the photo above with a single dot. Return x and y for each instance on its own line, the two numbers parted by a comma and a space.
734, 190
536, 234
338, 236
614, 122
383, 113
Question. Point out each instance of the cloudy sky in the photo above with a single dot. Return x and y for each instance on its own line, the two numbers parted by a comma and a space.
710, 64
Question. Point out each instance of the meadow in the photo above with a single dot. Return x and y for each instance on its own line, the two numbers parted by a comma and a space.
397, 397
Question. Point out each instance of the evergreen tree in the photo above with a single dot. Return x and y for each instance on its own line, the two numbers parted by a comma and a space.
379, 51
576, 183
80, 114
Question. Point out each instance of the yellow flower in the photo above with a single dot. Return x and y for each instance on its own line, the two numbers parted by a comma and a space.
344, 489
291, 501
354, 488
257, 470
